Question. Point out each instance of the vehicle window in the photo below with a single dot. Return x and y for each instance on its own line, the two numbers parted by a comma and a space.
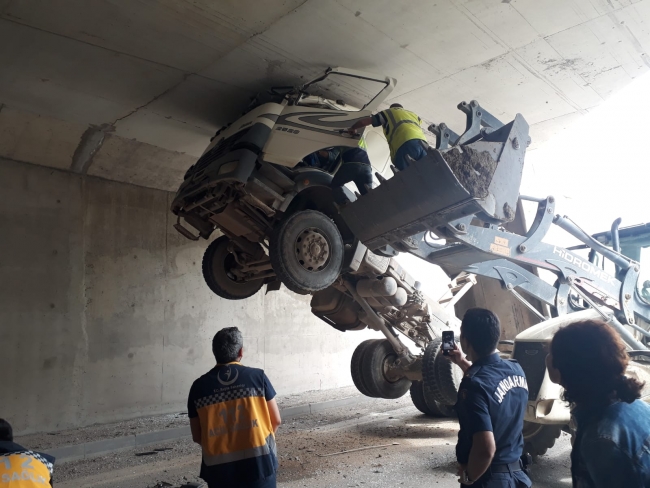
353, 92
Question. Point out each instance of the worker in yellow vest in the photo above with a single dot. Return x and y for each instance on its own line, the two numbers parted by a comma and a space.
405, 137
20, 467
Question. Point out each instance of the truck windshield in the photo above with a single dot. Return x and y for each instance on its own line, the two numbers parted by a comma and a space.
354, 92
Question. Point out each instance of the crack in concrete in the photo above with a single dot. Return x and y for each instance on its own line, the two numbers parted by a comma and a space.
165, 92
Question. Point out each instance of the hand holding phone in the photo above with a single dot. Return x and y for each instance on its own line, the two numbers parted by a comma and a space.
448, 342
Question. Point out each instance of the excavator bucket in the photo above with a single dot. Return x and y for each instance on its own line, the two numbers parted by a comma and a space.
479, 177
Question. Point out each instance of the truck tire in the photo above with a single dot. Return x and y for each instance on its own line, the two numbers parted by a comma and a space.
216, 266
539, 438
440, 377
373, 365
356, 367
448, 376
436, 409
306, 252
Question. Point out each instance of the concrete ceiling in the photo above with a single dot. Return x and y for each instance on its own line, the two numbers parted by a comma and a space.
132, 90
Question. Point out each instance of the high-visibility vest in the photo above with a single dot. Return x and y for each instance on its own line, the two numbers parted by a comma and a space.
362, 143
25, 469
401, 126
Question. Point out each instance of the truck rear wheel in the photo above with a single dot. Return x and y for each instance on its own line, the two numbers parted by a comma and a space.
356, 367
440, 376
539, 438
217, 267
374, 367
307, 252
448, 377
435, 409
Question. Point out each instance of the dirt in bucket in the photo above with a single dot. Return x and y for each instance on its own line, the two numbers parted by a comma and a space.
473, 169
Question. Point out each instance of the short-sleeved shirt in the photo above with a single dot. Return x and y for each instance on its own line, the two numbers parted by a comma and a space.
237, 436
22, 468
492, 397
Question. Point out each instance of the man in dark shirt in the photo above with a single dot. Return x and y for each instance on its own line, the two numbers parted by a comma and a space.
491, 404
234, 417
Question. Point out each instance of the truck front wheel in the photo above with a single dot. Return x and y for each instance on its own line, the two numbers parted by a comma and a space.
306, 252
218, 266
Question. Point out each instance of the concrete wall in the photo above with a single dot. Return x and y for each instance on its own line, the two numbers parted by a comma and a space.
104, 314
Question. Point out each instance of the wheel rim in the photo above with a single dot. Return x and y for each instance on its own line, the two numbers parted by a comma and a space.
388, 360
228, 264
312, 249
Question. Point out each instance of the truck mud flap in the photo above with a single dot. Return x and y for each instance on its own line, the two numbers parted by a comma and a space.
481, 178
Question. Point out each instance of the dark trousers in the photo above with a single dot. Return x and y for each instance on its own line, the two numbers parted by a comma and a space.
414, 149
516, 479
360, 173
269, 482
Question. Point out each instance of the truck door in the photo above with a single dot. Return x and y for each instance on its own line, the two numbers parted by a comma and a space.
300, 131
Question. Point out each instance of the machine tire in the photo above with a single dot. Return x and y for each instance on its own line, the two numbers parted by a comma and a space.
286, 253
539, 438
436, 409
372, 371
356, 367
448, 376
215, 267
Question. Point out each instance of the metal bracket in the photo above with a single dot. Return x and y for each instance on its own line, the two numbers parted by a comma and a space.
179, 227
541, 224
458, 287
445, 137
477, 117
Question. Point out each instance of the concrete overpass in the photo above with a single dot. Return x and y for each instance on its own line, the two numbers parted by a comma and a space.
147, 83
99, 297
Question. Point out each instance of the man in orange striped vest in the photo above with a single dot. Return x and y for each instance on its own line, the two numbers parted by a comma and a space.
20, 467
234, 417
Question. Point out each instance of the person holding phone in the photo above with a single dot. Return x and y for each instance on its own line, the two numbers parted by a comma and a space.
491, 403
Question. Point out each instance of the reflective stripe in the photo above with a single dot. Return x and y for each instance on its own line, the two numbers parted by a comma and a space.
362, 143
410, 128
268, 448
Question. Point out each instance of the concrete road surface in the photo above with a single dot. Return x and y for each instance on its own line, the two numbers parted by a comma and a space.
422, 456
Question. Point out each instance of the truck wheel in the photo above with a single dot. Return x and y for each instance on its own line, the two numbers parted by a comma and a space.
440, 376
356, 367
436, 409
307, 252
448, 377
374, 365
539, 438
217, 267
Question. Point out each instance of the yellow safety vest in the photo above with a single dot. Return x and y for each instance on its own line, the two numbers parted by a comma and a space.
362, 143
24, 470
401, 126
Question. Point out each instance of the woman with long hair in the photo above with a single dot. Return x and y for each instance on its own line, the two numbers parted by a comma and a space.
612, 443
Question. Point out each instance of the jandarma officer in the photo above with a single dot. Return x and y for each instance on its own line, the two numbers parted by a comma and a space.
491, 404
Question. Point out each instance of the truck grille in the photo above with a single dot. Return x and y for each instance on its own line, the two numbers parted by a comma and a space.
215, 153
532, 358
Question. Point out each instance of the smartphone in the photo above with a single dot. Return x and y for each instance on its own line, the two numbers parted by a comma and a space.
447, 341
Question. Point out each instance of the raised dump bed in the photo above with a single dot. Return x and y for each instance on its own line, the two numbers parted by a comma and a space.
481, 178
